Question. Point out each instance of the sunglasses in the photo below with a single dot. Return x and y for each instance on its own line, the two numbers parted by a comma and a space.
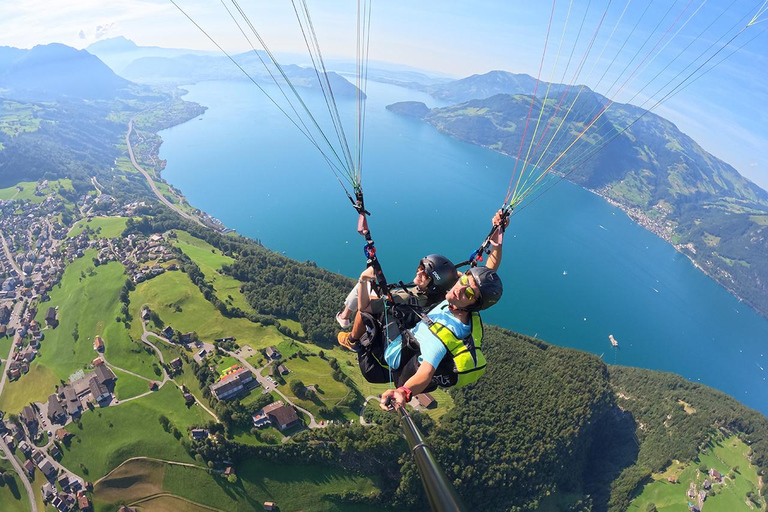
469, 292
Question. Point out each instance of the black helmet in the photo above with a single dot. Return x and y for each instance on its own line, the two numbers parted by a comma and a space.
489, 284
442, 273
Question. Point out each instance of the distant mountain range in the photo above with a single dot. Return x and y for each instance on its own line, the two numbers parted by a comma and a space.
55, 71
173, 66
119, 52
656, 173
186, 69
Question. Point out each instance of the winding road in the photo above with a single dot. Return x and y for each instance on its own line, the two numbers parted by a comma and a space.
145, 338
258, 377
151, 182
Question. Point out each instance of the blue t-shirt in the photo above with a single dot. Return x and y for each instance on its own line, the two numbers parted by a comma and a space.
432, 349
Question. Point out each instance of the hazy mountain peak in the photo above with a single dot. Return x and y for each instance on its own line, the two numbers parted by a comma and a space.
54, 70
113, 44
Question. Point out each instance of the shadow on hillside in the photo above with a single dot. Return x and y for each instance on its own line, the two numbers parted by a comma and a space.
615, 448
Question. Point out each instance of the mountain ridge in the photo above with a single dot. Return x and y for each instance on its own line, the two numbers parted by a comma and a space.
56, 70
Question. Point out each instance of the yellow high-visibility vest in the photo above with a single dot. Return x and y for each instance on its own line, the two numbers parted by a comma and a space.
468, 359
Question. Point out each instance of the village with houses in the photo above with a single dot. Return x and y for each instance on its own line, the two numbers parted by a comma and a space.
37, 249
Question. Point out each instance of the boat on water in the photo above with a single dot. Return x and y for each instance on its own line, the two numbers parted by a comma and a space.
565, 272
613, 340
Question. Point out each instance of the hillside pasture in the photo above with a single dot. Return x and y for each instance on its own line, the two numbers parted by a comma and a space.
180, 304
292, 487
314, 371
35, 386
102, 227
723, 454
12, 494
111, 435
211, 260
88, 302
25, 190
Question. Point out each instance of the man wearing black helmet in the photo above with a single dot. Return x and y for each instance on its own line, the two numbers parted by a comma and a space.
435, 275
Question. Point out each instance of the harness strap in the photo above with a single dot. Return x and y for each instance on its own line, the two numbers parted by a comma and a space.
477, 254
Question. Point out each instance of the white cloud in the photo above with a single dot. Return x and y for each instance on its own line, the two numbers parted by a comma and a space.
25, 24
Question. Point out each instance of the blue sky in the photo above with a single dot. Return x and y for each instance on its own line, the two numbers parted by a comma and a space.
726, 111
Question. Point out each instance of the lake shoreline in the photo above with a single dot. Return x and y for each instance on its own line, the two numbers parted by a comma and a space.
641, 219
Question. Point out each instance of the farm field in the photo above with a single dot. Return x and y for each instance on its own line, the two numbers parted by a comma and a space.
210, 260
114, 434
103, 227
35, 386
292, 487
724, 454
180, 304
88, 302
16, 118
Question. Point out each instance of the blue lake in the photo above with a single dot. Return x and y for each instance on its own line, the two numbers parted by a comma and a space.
575, 268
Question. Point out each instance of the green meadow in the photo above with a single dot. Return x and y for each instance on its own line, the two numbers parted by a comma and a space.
210, 260
103, 227
16, 118
128, 386
181, 305
723, 454
111, 435
88, 302
35, 386
291, 487
25, 190
316, 372
12, 495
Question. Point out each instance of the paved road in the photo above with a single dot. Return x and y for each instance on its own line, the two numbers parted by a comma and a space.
265, 384
14, 322
22, 474
145, 339
151, 182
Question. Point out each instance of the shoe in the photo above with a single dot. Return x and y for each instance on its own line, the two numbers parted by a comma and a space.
346, 341
343, 322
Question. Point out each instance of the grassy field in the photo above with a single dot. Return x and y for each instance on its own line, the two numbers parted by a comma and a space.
210, 260
128, 385
27, 192
180, 304
724, 454
104, 227
90, 304
112, 435
35, 386
13, 497
16, 118
168, 503
316, 372
292, 487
